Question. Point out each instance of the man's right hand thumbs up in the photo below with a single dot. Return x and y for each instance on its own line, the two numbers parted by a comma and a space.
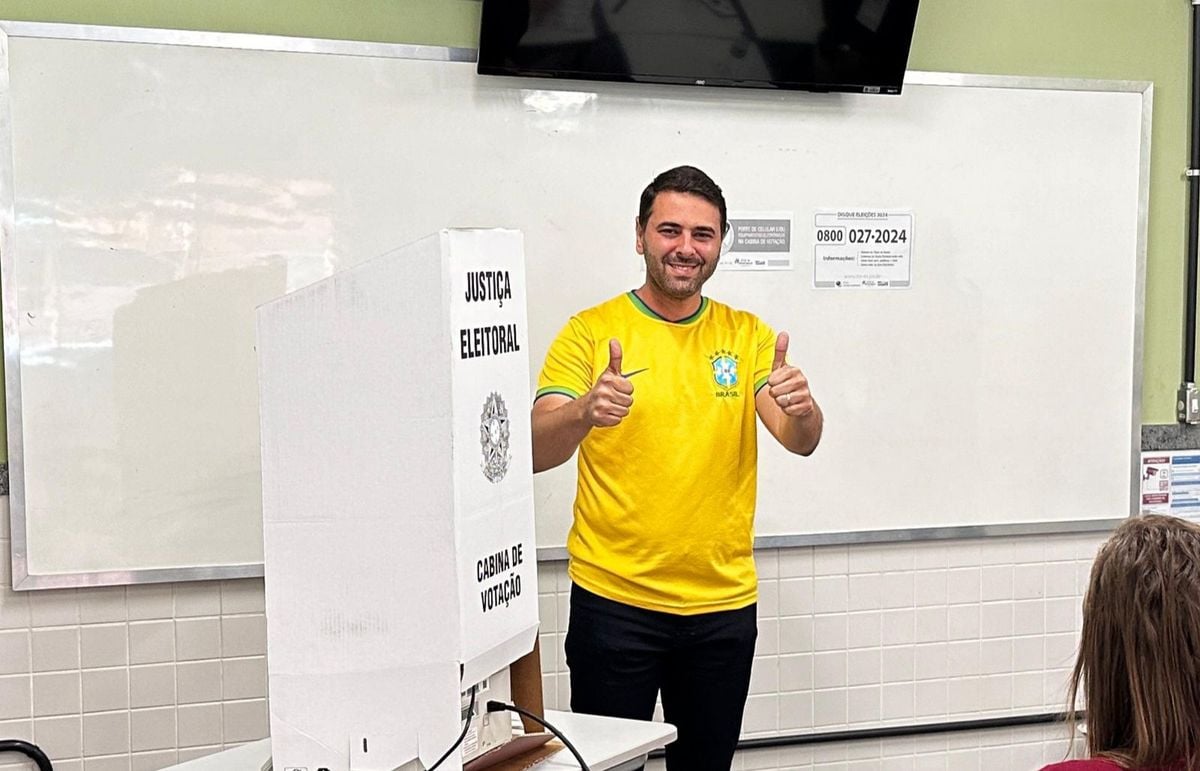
614, 356
611, 396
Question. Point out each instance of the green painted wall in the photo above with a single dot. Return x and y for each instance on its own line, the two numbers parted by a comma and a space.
430, 22
1108, 39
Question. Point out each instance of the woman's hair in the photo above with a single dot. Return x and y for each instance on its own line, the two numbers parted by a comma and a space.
1139, 655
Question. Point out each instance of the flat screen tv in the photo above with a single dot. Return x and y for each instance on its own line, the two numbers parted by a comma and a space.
813, 45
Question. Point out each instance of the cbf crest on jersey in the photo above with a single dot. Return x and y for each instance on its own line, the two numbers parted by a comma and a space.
725, 372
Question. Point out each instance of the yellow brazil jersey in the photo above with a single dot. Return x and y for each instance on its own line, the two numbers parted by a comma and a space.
664, 509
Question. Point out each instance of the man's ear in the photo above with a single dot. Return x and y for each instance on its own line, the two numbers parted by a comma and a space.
637, 235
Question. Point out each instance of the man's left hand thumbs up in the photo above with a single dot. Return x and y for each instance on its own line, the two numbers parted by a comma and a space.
788, 385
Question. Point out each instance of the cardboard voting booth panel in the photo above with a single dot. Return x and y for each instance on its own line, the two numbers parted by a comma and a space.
397, 499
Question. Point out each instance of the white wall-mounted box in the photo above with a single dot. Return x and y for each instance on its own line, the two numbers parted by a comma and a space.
398, 520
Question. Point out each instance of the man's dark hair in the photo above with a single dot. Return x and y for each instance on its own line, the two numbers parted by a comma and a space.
683, 179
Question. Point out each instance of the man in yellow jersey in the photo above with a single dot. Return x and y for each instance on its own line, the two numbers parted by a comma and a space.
658, 389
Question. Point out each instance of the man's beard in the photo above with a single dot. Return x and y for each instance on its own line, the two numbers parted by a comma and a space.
678, 287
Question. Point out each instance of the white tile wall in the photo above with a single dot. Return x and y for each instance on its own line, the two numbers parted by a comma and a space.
138, 678
130, 678
854, 637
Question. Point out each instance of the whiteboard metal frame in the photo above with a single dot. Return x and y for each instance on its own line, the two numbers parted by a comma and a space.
23, 580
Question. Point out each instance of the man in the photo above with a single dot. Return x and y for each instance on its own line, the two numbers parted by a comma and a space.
658, 390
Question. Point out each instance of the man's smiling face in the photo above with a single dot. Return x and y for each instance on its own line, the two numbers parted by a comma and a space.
681, 243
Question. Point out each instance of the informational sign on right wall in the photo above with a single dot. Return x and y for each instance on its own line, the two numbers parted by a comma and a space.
1171, 483
863, 248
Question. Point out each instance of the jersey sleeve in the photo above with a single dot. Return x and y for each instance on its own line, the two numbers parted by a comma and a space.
765, 340
568, 368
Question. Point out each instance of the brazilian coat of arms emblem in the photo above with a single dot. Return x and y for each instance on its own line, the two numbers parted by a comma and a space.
493, 438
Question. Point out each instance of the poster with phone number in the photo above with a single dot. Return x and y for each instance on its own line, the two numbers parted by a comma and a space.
863, 249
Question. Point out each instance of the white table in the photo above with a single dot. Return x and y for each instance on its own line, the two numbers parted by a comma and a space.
606, 743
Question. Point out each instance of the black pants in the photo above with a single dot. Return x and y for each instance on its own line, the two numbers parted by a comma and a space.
621, 656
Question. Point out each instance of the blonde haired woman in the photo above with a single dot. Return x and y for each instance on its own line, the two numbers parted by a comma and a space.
1139, 656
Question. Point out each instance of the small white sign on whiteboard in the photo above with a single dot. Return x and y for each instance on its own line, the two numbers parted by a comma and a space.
863, 248
758, 241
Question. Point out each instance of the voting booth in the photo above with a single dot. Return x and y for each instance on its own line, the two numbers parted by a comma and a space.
398, 522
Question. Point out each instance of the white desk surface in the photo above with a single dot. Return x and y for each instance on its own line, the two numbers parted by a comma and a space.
604, 742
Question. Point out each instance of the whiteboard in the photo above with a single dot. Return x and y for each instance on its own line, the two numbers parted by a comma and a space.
163, 184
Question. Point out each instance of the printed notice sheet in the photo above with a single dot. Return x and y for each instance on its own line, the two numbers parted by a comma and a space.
863, 248
758, 241
1171, 483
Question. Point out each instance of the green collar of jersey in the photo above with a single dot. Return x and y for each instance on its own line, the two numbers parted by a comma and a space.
641, 306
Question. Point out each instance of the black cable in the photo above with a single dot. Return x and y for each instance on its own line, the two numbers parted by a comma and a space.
497, 706
32, 750
461, 736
